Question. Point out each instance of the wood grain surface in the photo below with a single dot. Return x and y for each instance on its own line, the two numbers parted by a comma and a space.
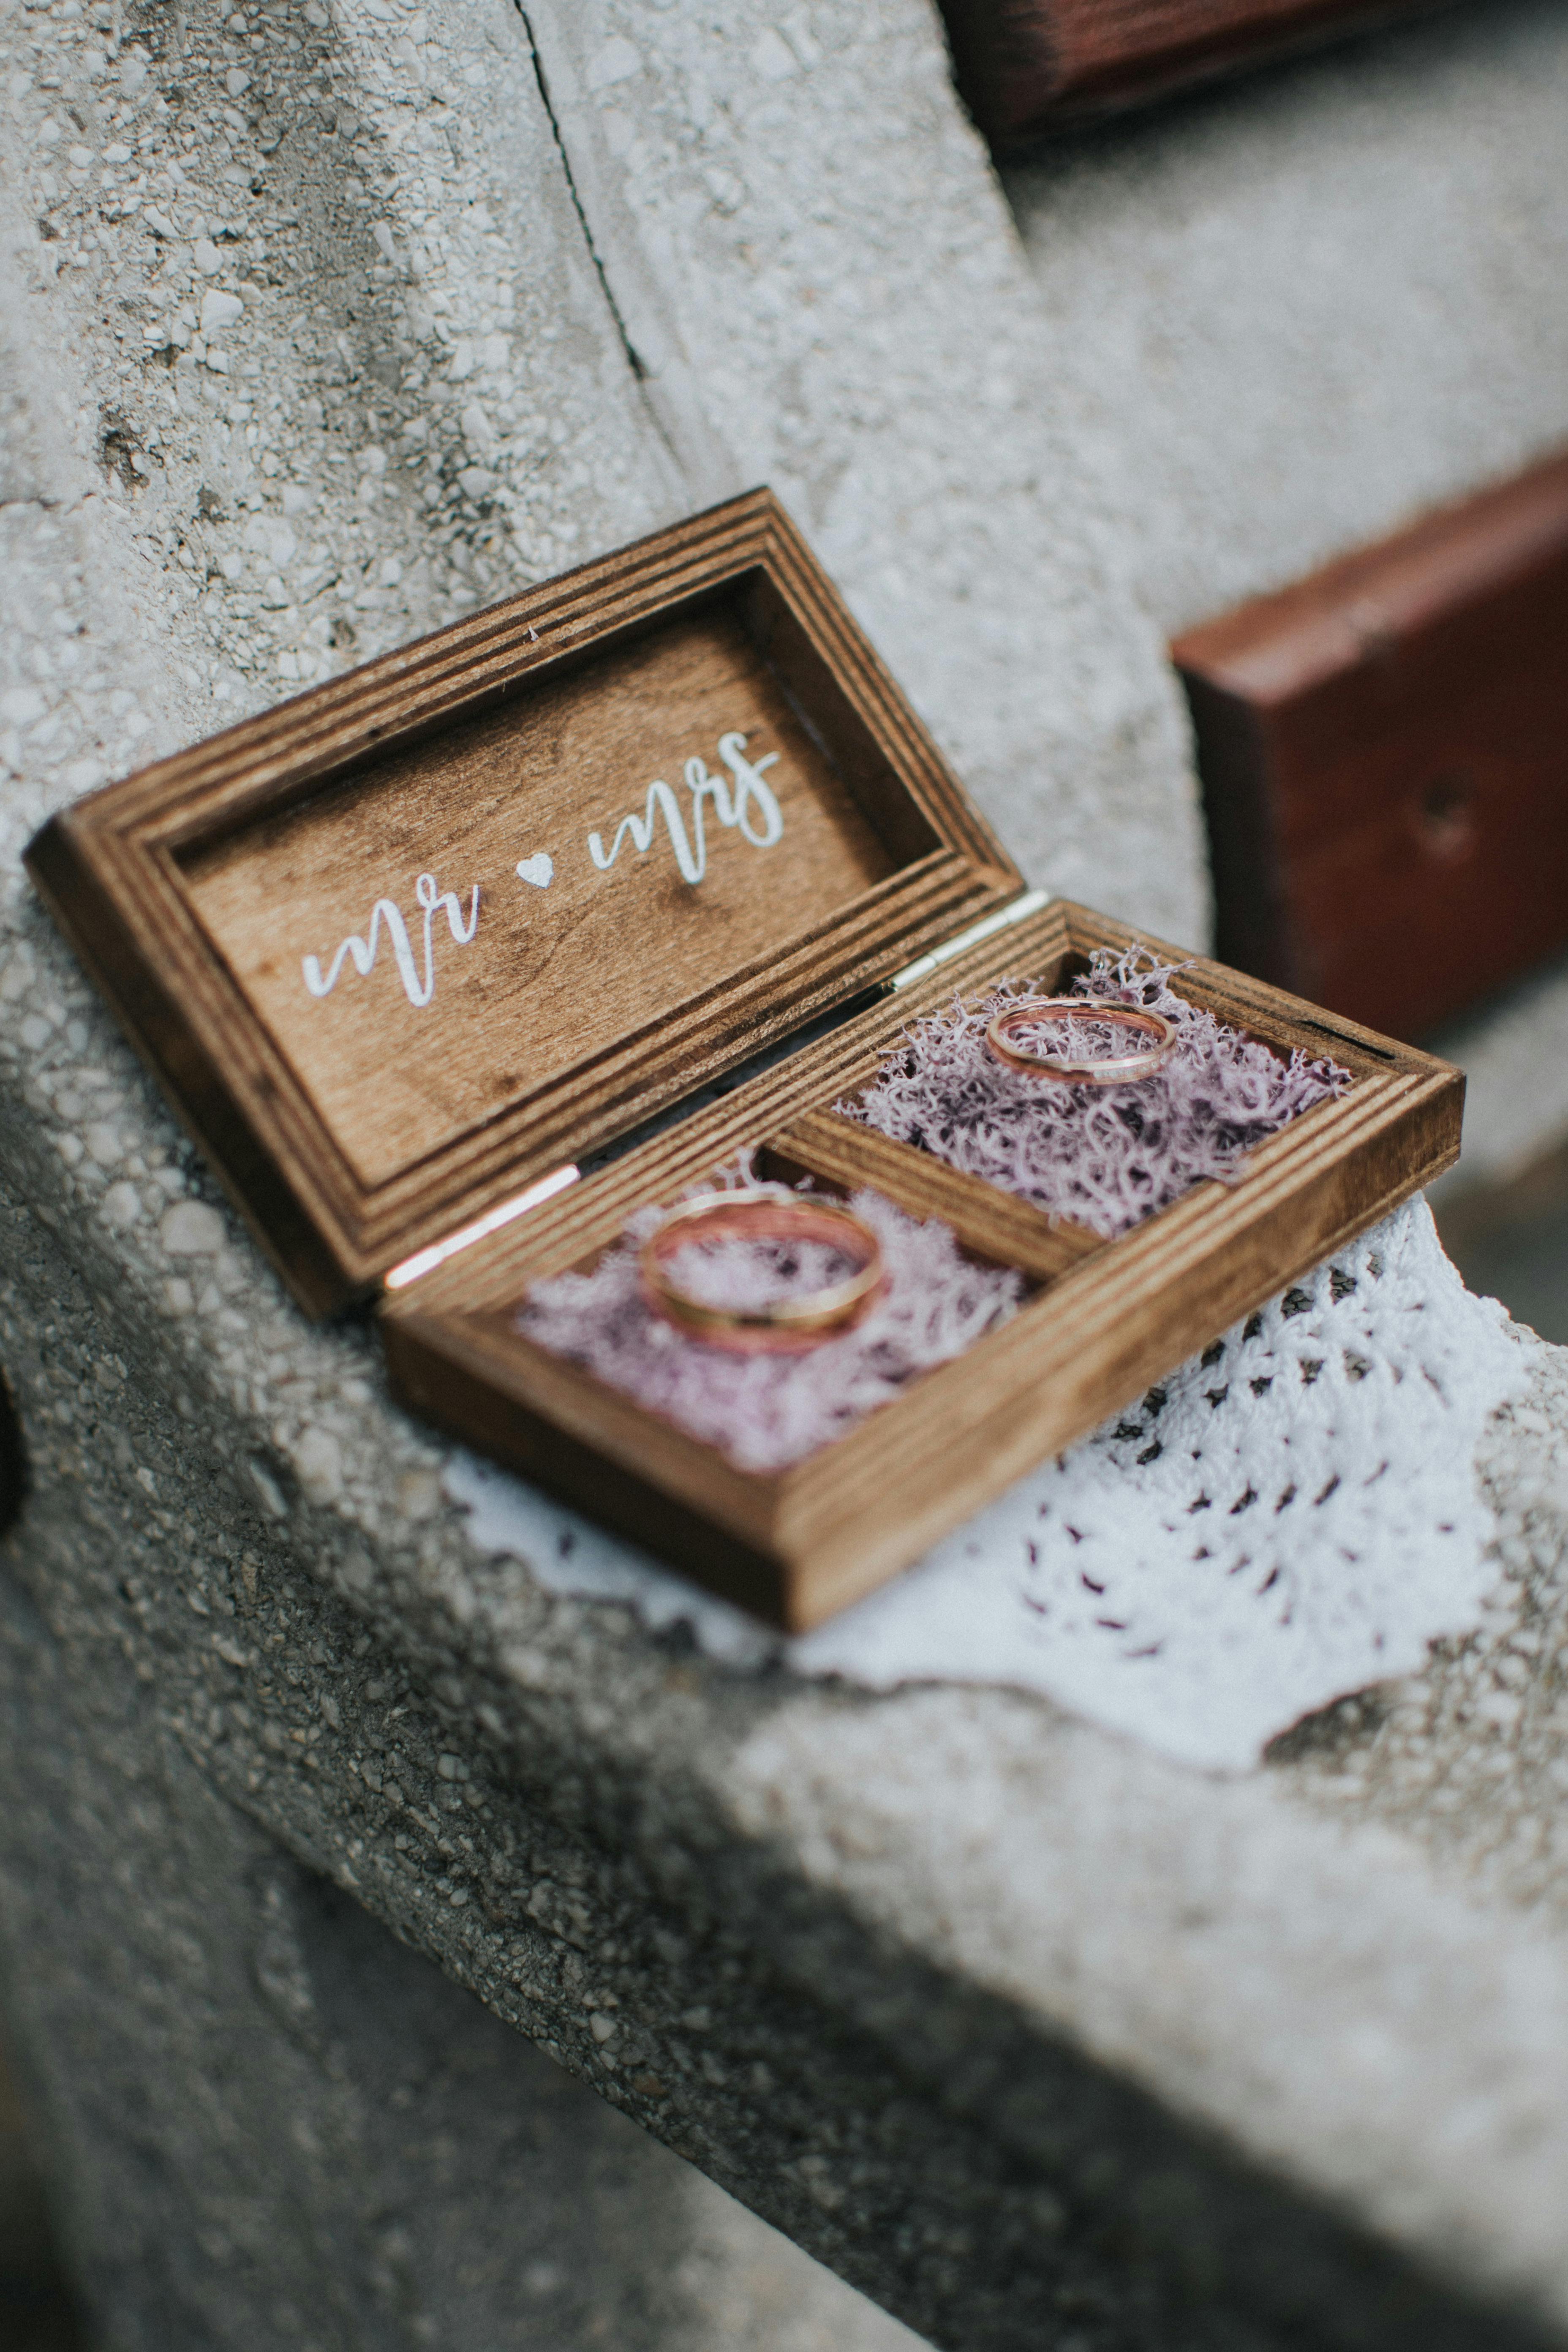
1025, 66
993, 1223
559, 972
1107, 1319
1384, 749
355, 1127
355, 1121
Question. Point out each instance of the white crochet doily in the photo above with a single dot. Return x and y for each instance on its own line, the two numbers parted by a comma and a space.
1287, 1519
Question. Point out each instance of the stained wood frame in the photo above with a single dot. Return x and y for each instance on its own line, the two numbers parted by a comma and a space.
1106, 1318
110, 871
1026, 67
1103, 1320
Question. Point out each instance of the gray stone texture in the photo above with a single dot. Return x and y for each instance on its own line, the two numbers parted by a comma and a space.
836, 275
1288, 315
1032, 2037
1014, 2025
275, 2124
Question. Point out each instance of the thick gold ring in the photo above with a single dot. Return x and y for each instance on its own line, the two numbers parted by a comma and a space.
784, 1327
1096, 1070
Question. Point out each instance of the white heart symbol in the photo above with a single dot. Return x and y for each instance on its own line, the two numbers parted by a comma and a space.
539, 869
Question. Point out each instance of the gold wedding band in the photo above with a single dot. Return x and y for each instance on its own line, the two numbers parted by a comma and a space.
1094, 1070
784, 1326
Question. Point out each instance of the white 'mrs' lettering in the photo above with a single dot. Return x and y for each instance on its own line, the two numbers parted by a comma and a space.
746, 801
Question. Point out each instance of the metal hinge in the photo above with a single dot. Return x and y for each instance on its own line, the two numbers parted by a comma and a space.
1014, 912
427, 1260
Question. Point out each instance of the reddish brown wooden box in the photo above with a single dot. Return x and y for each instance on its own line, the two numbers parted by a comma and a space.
1383, 749
1025, 66
404, 1124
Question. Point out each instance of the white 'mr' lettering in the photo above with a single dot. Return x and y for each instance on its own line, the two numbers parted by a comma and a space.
389, 913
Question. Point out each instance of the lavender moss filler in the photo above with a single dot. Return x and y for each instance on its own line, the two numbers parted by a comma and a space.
1106, 1155
766, 1412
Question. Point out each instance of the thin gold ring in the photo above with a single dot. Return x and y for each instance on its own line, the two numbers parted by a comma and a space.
784, 1326
1096, 1070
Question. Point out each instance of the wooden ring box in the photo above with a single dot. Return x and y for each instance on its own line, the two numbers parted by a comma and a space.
419, 1124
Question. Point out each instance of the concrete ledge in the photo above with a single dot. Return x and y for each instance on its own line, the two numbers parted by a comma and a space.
1004, 2019
1026, 2032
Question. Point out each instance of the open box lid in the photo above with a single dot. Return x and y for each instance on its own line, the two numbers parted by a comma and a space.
400, 947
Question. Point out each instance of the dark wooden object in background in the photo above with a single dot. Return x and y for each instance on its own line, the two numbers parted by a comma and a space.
1025, 66
13, 1458
1385, 757
35, 2310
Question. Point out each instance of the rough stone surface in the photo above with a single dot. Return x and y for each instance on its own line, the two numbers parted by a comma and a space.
792, 205
1516, 1098
1292, 313
332, 2144
1298, 308
1032, 2037
1008, 2021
